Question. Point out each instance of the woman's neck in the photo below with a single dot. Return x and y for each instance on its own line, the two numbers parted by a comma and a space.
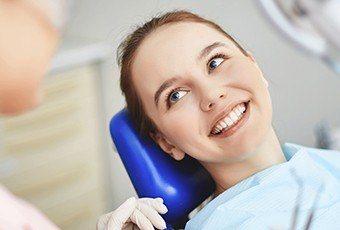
268, 153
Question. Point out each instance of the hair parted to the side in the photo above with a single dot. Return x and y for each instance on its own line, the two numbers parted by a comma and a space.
125, 55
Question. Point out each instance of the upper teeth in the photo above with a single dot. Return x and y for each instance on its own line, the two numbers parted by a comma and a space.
230, 119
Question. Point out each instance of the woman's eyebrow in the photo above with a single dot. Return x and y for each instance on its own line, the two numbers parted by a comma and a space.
166, 84
208, 49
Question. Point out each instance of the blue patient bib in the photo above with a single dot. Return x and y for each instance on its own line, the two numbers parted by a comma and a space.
267, 199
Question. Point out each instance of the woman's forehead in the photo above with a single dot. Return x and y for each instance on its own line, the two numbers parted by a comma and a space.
171, 46
180, 38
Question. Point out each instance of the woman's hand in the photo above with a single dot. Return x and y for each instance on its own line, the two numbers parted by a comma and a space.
143, 213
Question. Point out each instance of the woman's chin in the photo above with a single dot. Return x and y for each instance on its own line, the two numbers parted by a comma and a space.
246, 139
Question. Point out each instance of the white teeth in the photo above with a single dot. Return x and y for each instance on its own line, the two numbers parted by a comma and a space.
243, 108
238, 113
224, 125
233, 116
229, 120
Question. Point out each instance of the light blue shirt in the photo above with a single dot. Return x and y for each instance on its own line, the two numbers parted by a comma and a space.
267, 199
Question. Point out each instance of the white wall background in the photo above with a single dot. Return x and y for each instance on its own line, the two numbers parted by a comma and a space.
304, 91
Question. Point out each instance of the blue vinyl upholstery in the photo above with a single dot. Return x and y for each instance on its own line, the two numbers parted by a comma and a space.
183, 185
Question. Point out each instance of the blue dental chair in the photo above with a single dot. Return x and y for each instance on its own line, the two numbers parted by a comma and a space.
183, 185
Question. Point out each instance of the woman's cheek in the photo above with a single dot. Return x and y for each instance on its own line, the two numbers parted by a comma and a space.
177, 133
232, 74
180, 121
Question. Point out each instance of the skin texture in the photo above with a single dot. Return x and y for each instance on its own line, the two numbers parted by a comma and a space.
172, 51
26, 47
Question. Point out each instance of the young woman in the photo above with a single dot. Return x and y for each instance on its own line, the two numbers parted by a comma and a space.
193, 89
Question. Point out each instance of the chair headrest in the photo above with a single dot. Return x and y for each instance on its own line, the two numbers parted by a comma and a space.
183, 185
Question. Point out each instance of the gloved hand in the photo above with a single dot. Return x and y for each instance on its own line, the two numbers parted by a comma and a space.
135, 214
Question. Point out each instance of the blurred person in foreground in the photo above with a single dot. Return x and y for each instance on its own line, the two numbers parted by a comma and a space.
28, 40
29, 34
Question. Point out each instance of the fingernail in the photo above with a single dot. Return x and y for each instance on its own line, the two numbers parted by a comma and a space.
163, 224
159, 199
164, 209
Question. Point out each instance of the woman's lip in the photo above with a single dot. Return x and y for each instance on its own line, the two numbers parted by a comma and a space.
226, 112
236, 127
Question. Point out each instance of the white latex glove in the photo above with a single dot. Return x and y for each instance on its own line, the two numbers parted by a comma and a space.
135, 213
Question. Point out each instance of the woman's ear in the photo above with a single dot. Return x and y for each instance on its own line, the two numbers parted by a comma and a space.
250, 55
167, 147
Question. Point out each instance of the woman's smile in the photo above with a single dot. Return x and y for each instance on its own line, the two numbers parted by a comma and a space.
235, 119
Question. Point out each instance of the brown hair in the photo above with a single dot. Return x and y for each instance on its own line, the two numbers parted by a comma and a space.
125, 55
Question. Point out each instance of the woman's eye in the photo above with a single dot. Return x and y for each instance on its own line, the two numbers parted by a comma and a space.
176, 95
215, 62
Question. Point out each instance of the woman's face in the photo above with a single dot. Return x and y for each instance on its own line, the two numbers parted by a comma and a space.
211, 75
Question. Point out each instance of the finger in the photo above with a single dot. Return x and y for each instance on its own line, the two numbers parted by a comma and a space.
152, 215
103, 220
159, 199
122, 214
155, 203
141, 221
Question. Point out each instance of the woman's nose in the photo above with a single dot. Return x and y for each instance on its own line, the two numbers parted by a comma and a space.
211, 99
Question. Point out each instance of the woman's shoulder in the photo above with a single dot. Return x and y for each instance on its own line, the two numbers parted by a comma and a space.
327, 158
292, 147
